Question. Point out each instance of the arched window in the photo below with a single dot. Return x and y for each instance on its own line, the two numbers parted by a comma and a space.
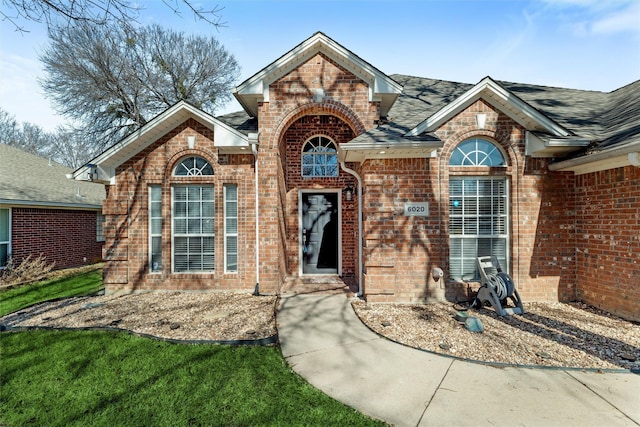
319, 157
477, 152
478, 210
193, 218
193, 166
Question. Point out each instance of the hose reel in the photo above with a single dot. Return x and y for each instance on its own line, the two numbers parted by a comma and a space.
497, 287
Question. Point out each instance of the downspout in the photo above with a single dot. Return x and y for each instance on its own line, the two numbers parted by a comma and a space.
360, 260
253, 141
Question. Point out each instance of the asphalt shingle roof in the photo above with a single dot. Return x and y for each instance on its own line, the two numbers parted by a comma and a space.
607, 119
31, 180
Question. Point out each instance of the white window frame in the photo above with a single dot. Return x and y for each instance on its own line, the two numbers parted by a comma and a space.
228, 234
7, 242
100, 227
153, 270
505, 217
201, 235
323, 141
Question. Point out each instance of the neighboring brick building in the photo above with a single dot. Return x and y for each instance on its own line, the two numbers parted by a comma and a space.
44, 213
336, 170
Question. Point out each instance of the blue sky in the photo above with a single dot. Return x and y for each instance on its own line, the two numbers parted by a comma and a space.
582, 44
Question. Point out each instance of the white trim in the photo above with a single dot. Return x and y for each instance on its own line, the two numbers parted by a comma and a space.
225, 231
256, 88
508, 218
151, 234
608, 158
173, 234
104, 165
501, 98
336, 191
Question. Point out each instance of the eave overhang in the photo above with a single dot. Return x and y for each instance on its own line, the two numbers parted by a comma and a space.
388, 149
543, 145
547, 138
102, 168
255, 89
609, 158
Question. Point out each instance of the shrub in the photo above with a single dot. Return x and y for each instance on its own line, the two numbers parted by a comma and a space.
29, 269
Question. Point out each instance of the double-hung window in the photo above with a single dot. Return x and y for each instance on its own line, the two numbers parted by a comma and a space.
478, 210
230, 228
193, 217
155, 228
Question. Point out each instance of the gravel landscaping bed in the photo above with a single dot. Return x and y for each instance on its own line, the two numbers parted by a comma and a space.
548, 334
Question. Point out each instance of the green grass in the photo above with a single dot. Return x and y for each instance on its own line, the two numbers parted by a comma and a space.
100, 378
94, 378
23, 296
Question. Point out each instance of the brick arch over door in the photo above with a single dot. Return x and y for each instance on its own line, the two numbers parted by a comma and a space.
331, 108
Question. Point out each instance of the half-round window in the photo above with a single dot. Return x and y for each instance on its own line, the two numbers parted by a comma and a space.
477, 152
193, 166
319, 157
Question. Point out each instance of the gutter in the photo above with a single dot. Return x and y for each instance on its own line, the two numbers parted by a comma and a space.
360, 260
631, 151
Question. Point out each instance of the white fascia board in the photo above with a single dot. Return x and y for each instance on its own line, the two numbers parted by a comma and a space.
256, 88
106, 162
7, 203
539, 147
227, 137
493, 93
358, 152
606, 159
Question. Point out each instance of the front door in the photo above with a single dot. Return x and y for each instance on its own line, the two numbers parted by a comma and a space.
319, 233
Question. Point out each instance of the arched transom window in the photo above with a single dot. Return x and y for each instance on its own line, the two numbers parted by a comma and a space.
477, 152
319, 157
193, 166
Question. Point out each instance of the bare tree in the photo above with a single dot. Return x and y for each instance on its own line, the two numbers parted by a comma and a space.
63, 146
113, 80
100, 12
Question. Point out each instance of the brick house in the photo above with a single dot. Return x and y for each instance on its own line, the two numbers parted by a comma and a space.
44, 213
336, 171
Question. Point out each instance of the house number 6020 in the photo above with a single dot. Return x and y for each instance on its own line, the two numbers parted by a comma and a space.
416, 209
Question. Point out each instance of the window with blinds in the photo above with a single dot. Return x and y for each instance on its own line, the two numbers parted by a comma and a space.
478, 210
230, 228
478, 223
193, 228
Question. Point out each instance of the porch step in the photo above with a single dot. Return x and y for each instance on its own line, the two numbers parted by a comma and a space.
319, 285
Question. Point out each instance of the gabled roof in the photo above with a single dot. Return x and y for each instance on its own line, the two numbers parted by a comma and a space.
555, 138
30, 180
102, 167
256, 88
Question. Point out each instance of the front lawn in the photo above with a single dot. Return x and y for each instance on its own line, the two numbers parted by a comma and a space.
84, 283
100, 378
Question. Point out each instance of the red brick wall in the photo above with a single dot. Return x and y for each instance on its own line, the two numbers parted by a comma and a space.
608, 240
401, 251
127, 246
291, 150
65, 237
319, 87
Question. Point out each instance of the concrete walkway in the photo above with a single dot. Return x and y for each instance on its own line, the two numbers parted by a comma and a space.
324, 341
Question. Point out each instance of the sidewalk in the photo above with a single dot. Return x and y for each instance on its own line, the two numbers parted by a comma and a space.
324, 341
